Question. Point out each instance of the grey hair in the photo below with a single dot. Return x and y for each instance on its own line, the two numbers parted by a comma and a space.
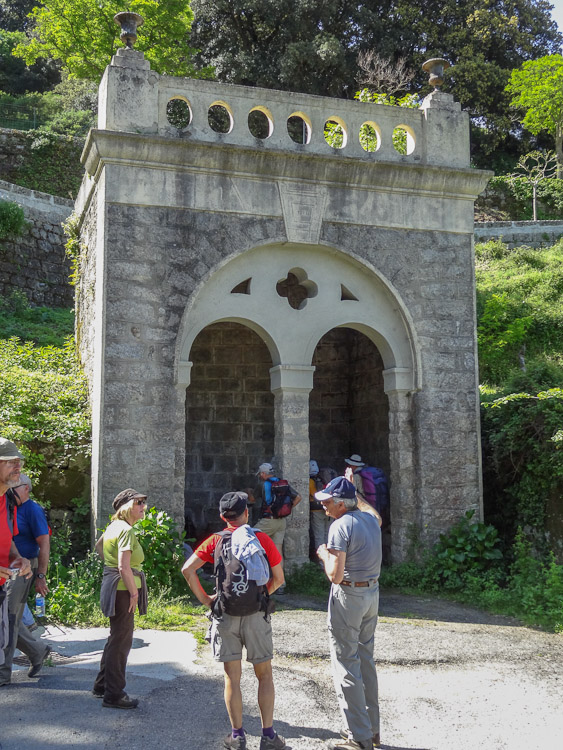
349, 502
24, 479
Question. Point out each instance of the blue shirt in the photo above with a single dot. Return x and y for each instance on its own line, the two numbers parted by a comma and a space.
31, 524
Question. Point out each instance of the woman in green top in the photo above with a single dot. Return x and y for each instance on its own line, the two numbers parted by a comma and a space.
123, 588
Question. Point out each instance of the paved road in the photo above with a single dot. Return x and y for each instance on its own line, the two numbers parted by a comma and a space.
451, 678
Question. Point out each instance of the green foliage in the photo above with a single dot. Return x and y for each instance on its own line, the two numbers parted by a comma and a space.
43, 401
469, 547
519, 301
83, 35
15, 76
523, 465
74, 598
44, 326
12, 219
308, 580
537, 88
164, 555
515, 196
40, 167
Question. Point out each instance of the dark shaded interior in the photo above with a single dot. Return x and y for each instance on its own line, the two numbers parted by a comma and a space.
229, 420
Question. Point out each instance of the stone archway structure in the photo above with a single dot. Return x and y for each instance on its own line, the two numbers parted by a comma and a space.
184, 228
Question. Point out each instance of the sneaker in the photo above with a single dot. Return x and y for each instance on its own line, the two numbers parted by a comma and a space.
349, 744
97, 693
237, 743
375, 739
278, 743
36, 668
124, 702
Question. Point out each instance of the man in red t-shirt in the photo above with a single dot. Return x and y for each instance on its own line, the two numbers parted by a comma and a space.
229, 633
10, 558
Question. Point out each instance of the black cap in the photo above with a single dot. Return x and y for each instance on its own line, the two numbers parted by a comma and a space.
233, 504
124, 497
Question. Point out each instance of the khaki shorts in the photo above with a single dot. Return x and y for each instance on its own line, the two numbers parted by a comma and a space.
230, 634
274, 528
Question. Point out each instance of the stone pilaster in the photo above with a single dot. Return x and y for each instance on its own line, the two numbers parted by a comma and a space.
291, 385
403, 490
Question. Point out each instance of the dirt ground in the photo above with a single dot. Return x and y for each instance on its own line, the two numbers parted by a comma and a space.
450, 678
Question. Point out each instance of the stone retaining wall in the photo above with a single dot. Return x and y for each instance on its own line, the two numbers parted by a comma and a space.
516, 233
35, 261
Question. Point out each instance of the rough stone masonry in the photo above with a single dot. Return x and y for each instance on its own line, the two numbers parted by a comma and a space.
256, 294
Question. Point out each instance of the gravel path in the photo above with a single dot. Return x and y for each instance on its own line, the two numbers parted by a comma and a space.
451, 678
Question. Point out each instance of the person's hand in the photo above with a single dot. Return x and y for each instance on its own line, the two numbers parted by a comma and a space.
133, 599
322, 551
349, 474
211, 601
251, 498
41, 586
5, 572
23, 565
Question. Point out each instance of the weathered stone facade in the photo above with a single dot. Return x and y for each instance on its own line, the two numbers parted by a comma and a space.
243, 298
534, 234
34, 262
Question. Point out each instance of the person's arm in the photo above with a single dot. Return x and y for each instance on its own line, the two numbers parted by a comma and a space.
365, 507
44, 543
277, 579
124, 565
296, 500
99, 547
189, 571
333, 560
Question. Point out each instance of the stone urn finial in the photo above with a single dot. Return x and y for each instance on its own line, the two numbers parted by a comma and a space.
436, 67
129, 23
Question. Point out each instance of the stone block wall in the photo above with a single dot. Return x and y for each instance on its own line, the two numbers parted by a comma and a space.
348, 407
229, 419
35, 262
516, 233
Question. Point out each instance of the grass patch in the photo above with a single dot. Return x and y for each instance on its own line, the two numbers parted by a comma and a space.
308, 580
44, 326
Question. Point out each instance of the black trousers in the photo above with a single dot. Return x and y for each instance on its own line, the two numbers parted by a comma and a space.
111, 677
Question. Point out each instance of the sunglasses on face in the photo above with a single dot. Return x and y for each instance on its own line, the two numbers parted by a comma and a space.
139, 501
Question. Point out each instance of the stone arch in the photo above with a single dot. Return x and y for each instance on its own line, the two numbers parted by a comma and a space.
370, 304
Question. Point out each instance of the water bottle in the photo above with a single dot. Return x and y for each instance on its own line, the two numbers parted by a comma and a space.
39, 605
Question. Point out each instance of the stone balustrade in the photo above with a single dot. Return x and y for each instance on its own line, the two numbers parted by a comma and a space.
215, 113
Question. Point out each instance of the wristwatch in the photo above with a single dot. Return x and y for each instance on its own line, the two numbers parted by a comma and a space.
40, 575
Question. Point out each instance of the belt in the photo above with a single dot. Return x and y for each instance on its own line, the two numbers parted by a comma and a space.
358, 584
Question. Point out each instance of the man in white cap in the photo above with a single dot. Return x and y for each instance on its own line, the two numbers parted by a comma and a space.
352, 562
10, 559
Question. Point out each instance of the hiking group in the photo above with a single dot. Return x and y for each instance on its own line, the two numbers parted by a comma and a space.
247, 564
248, 569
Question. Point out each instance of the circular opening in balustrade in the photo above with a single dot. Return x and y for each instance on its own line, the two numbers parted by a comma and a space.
220, 117
260, 123
370, 137
403, 140
178, 112
335, 132
299, 128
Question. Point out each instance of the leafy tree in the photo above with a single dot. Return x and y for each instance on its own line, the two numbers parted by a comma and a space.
13, 14
537, 87
83, 35
15, 77
533, 168
313, 46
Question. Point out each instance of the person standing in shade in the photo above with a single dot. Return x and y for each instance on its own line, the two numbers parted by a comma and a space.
352, 562
33, 542
320, 522
123, 589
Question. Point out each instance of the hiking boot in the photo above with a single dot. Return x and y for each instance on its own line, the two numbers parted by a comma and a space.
36, 668
97, 693
349, 744
278, 743
124, 702
375, 739
236, 743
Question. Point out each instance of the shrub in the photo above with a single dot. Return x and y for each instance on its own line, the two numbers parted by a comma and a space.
12, 219
164, 554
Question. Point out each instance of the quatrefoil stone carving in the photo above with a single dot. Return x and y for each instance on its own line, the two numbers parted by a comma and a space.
297, 288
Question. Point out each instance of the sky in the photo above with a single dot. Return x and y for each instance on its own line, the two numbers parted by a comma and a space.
557, 13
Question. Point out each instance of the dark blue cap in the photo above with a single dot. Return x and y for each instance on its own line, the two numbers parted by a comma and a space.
340, 488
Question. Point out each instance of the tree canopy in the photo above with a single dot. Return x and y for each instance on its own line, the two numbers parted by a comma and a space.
537, 88
83, 35
313, 45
